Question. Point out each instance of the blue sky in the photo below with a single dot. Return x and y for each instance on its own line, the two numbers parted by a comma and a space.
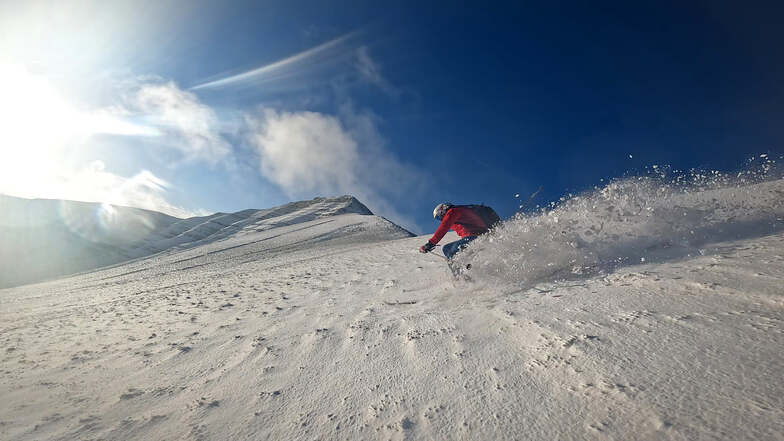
198, 106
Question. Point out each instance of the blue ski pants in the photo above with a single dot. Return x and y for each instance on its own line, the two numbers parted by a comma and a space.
452, 248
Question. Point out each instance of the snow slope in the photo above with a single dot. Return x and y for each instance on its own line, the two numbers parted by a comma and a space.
327, 329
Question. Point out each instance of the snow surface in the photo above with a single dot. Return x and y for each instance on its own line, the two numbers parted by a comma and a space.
637, 311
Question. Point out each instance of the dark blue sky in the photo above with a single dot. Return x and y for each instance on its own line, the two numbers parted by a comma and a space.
498, 100
478, 103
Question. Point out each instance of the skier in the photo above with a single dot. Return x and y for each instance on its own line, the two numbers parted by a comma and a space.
463, 219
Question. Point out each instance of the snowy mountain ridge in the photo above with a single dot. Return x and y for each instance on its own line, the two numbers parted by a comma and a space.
48, 238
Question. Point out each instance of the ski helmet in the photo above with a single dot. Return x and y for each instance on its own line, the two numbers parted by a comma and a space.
440, 210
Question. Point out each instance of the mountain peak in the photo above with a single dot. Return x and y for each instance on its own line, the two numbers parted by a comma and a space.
345, 204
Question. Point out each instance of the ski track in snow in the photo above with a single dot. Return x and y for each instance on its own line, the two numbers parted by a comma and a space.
328, 330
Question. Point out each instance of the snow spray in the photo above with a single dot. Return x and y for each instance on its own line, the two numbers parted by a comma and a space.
662, 215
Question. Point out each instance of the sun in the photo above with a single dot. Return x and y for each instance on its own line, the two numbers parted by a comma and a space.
40, 128
35, 116
36, 123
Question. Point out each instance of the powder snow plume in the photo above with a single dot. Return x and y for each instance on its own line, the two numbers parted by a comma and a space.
663, 215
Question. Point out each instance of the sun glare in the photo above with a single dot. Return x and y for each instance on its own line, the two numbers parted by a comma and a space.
35, 116
36, 121
38, 125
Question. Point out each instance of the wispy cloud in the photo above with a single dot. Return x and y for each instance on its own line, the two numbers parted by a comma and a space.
370, 71
304, 60
311, 153
142, 190
191, 126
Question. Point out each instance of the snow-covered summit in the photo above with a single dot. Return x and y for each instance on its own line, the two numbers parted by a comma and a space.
48, 238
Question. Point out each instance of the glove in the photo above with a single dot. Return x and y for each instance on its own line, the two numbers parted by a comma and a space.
426, 248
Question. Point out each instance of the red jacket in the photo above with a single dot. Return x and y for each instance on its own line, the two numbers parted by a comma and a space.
461, 219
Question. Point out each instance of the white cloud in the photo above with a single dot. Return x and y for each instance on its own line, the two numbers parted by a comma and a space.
311, 153
191, 126
306, 151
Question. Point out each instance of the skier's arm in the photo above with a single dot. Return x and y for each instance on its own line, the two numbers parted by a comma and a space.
446, 224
